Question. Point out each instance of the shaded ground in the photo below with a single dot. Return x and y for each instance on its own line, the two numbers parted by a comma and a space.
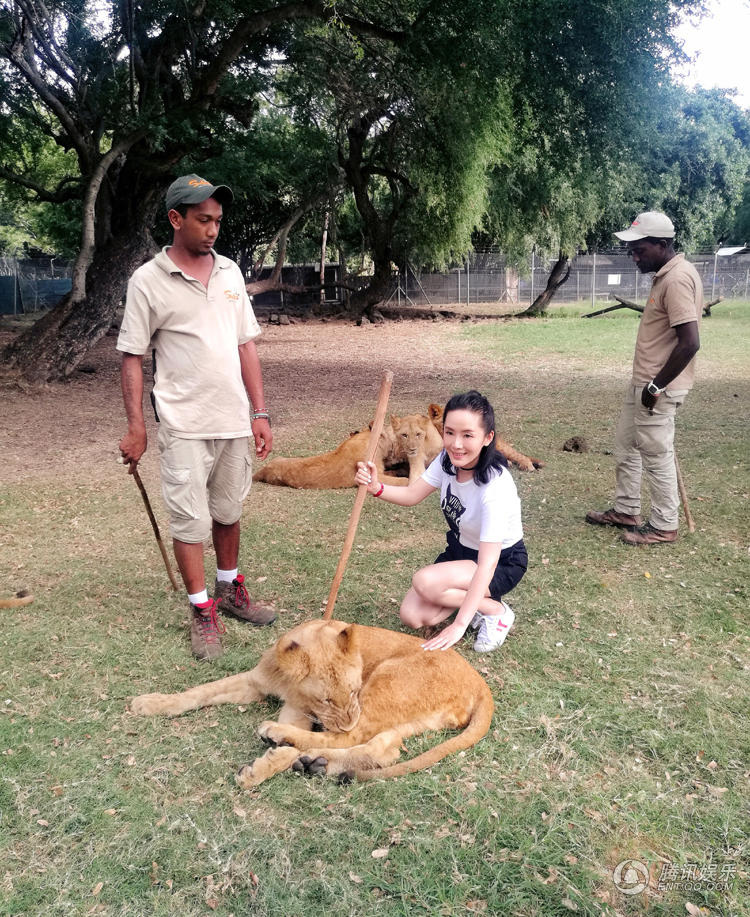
72, 428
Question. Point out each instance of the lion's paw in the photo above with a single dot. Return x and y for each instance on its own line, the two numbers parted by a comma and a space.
273, 733
247, 778
148, 704
314, 767
273, 762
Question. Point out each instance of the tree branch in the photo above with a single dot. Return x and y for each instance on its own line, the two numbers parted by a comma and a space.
621, 304
205, 87
86, 254
282, 234
21, 55
59, 196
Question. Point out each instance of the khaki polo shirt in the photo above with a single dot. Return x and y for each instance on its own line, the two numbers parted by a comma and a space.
676, 297
195, 332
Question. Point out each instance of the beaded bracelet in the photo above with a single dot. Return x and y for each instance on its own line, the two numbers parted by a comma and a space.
256, 414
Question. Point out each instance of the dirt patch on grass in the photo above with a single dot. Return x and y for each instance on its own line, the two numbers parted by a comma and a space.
72, 428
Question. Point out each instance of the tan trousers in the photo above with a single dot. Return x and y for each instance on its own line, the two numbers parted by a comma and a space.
203, 480
644, 447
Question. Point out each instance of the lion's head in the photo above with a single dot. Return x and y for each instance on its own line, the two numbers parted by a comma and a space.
416, 434
323, 665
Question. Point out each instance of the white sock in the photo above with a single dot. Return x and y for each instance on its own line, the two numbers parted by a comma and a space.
226, 576
198, 598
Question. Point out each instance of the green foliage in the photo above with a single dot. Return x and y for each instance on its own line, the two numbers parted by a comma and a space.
422, 126
697, 164
739, 231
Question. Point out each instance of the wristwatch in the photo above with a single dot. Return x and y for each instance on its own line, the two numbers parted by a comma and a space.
653, 389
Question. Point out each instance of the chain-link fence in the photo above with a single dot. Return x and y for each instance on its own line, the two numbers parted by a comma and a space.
32, 284
486, 277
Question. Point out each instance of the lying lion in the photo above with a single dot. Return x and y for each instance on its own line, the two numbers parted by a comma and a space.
367, 687
412, 440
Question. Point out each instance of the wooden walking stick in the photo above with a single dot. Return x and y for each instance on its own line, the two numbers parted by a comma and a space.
154, 525
372, 445
683, 496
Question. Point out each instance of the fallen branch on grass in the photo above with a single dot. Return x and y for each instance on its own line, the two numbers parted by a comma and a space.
629, 304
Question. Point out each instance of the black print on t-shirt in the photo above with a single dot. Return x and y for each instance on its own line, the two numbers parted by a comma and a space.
453, 509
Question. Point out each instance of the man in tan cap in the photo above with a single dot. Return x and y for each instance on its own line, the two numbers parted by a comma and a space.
190, 307
663, 374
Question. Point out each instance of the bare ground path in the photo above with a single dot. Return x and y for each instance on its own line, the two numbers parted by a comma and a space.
71, 429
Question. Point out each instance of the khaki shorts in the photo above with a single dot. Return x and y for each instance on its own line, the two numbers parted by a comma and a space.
203, 480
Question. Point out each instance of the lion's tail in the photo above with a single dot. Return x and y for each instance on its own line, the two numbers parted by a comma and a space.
476, 729
19, 599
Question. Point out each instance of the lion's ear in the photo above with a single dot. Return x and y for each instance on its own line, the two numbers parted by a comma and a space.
434, 411
348, 639
395, 421
292, 658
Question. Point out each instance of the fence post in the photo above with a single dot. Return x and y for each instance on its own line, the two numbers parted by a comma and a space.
531, 295
468, 258
636, 285
593, 283
713, 282
458, 275
747, 278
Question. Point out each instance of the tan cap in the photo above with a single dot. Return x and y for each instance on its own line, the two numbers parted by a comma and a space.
651, 224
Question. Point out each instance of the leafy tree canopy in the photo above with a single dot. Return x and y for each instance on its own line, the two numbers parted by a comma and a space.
418, 124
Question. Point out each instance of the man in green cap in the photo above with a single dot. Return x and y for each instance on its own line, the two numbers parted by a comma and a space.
190, 307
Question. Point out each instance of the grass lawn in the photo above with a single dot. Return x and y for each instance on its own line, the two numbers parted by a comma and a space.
622, 718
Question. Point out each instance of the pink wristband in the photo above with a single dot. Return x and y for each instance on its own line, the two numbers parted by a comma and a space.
382, 487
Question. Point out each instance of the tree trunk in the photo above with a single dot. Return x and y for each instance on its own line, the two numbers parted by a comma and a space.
54, 345
363, 301
558, 275
323, 246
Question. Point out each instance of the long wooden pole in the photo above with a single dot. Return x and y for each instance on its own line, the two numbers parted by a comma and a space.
684, 497
372, 445
154, 524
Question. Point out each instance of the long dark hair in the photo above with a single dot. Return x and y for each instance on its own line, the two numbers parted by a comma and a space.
490, 460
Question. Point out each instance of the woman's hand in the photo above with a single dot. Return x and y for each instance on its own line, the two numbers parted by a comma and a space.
446, 638
367, 474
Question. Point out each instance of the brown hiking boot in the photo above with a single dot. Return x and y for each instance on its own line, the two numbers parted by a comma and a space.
647, 534
612, 517
233, 599
206, 628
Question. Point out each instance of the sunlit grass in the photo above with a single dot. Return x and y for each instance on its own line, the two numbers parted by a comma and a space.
621, 718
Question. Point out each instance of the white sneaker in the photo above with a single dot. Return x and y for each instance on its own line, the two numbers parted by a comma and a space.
493, 630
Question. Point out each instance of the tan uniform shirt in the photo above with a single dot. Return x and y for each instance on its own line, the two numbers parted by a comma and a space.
676, 297
195, 332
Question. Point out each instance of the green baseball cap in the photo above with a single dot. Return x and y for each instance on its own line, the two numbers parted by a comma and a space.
192, 189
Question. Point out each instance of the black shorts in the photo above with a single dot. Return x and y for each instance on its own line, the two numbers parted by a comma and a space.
508, 572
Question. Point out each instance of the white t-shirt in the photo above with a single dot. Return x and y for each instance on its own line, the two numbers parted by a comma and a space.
487, 512
195, 331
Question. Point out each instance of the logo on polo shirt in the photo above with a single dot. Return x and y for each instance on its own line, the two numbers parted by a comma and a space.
232, 295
